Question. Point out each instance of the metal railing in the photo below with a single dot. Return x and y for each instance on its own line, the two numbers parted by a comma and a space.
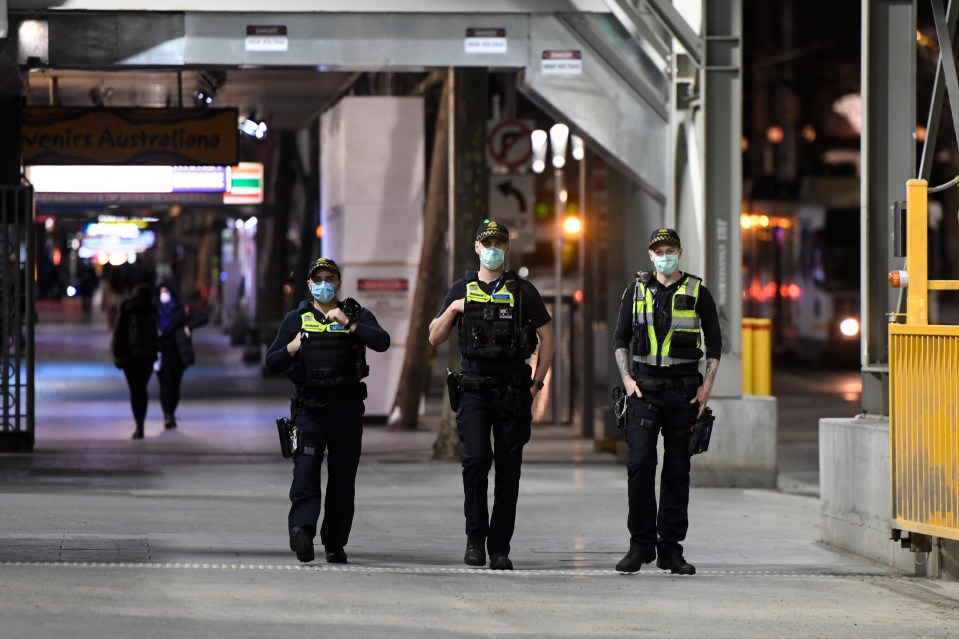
923, 394
17, 313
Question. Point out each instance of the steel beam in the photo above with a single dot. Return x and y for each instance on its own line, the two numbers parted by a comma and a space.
939, 90
888, 152
680, 29
723, 181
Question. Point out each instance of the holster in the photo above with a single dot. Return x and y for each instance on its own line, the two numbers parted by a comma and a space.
291, 444
700, 432
453, 386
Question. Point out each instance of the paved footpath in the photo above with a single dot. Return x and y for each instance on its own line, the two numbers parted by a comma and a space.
183, 534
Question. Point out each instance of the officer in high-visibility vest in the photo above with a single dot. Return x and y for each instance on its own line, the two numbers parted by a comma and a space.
322, 346
657, 345
501, 317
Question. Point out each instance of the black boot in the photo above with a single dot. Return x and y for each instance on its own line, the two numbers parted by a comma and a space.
138, 432
335, 555
675, 564
635, 559
500, 562
301, 542
475, 553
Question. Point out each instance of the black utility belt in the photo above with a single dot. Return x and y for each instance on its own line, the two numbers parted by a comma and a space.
345, 394
472, 382
688, 384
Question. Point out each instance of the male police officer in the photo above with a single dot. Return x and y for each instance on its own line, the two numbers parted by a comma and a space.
660, 318
322, 345
500, 317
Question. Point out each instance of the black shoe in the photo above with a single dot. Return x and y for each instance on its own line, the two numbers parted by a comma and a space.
635, 559
675, 564
475, 553
301, 542
138, 432
169, 422
335, 556
500, 562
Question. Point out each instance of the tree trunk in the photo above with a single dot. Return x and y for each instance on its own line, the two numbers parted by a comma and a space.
470, 204
429, 284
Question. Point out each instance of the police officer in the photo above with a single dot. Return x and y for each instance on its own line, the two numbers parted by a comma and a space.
662, 318
322, 346
501, 317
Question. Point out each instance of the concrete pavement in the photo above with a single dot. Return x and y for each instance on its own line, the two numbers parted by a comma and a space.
184, 534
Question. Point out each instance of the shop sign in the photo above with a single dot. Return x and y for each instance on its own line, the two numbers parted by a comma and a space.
132, 136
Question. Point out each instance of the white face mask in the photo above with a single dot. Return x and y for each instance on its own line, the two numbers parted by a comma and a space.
165, 297
492, 257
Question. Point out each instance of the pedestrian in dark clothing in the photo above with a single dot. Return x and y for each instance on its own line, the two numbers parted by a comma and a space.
176, 322
322, 346
663, 316
501, 317
135, 346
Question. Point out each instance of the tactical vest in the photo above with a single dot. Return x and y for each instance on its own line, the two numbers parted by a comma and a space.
492, 326
330, 358
683, 341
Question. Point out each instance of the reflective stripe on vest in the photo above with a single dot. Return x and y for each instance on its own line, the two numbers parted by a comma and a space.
686, 321
475, 294
310, 324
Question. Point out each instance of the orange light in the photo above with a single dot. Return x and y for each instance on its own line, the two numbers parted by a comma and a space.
578, 296
795, 292
56, 257
774, 134
572, 225
319, 232
744, 221
763, 221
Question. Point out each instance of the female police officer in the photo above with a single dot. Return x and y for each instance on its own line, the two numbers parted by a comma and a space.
660, 318
322, 345
500, 318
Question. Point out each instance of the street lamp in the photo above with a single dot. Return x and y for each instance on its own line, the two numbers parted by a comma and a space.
557, 139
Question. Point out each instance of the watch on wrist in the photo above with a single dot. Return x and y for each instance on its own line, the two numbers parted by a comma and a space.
537, 383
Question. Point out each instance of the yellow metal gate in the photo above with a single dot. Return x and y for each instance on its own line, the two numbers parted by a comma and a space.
923, 394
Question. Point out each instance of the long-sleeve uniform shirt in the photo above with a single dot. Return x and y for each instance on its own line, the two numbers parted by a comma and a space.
662, 304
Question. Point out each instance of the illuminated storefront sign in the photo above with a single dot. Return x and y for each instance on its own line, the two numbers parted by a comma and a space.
129, 136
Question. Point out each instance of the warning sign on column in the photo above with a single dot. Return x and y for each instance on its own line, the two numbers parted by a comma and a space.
562, 62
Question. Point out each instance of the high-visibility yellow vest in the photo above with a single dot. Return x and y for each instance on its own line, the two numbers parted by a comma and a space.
683, 341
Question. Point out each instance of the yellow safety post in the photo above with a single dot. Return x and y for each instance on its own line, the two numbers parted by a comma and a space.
762, 357
917, 256
747, 356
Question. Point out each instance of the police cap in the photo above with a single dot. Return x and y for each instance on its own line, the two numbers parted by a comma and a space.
492, 228
323, 263
664, 235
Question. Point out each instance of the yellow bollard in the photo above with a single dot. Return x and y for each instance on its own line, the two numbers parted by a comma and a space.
762, 357
747, 356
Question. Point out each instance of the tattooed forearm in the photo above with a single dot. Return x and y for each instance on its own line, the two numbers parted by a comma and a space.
712, 365
622, 360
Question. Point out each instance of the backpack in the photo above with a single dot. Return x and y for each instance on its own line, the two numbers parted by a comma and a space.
142, 335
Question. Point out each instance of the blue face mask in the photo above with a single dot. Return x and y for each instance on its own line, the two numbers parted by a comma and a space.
323, 291
492, 257
666, 264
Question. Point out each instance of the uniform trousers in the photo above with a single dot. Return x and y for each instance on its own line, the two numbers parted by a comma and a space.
338, 430
672, 414
480, 415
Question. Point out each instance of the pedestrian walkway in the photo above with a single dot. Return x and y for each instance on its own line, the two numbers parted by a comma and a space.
183, 533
